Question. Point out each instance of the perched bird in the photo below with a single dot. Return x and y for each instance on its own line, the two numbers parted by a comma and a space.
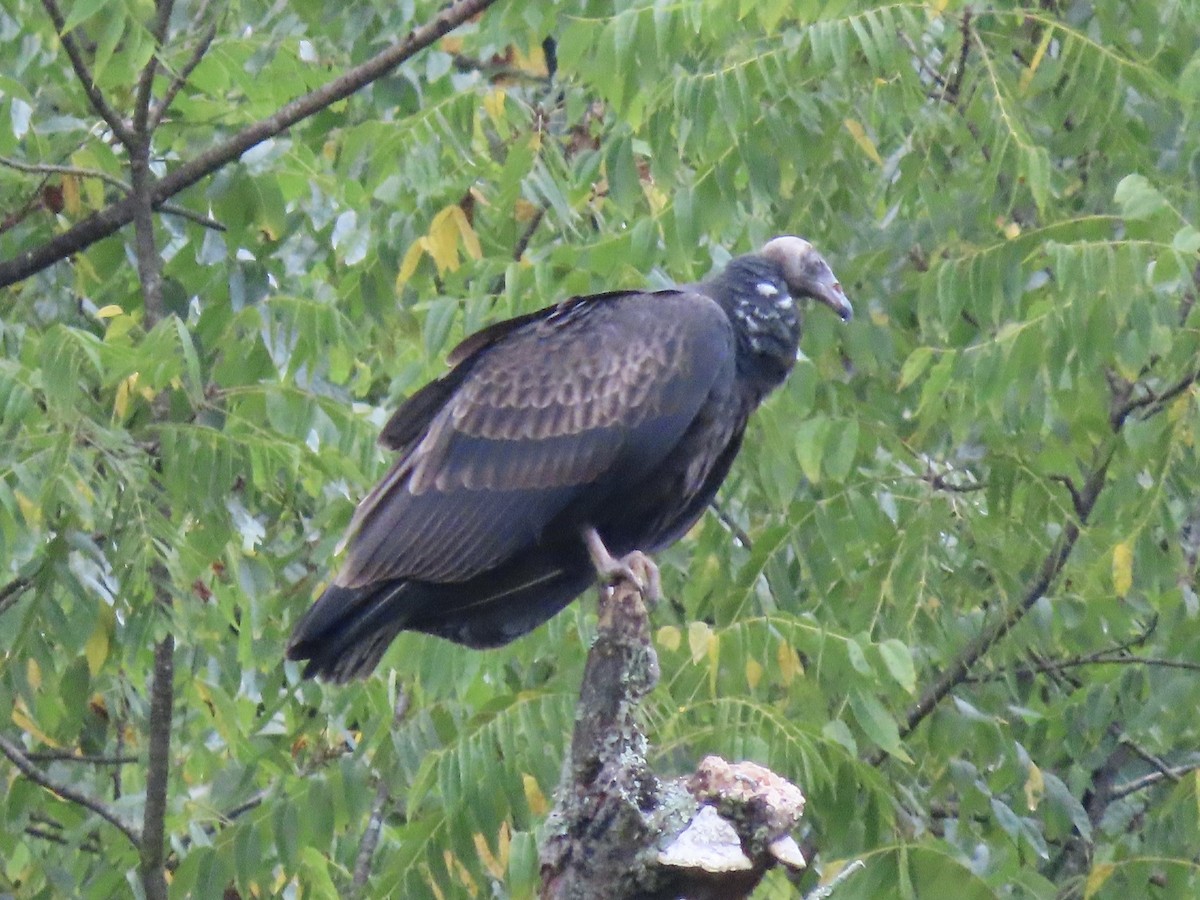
561, 445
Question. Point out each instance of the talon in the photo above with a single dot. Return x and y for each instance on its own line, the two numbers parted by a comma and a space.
635, 567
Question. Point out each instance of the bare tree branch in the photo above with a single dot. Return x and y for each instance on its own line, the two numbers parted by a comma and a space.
86, 79
141, 106
161, 108
18, 758
162, 698
112, 218
70, 756
11, 592
1121, 791
111, 180
370, 838
1152, 403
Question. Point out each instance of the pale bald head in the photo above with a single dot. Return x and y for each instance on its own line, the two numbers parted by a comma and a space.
807, 274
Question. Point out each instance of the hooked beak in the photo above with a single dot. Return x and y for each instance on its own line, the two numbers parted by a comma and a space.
827, 290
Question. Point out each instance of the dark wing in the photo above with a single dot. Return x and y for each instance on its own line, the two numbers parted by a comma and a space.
554, 412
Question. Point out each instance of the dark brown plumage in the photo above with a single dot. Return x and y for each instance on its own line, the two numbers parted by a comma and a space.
612, 418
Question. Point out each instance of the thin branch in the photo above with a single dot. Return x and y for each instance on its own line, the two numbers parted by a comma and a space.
520, 246
733, 527
65, 792
1150, 779
111, 180
69, 756
954, 86
11, 592
1065, 481
141, 105
939, 483
823, 891
959, 668
158, 767
1145, 755
1152, 403
370, 838
54, 838
112, 218
251, 802
86, 79
161, 108
52, 169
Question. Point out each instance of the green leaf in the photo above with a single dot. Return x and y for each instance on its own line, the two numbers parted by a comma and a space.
81, 11
1138, 198
897, 659
878, 724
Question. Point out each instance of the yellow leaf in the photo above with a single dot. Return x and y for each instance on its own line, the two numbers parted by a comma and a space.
96, 648
534, 796
70, 189
1196, 787
1096, 878
30, 511
532, 63
1038, 55
493, 104
494, 866
1035, 787
938, 6
33, 674
698, 636
863, 140
1122, 568
754, 673
469, 238
455, 864
107, 312
22, 719
442, 241
789, 664
408, 266
524, 211
121, 400
669, 637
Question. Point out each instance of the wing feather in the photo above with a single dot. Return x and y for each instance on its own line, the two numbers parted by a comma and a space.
556, 411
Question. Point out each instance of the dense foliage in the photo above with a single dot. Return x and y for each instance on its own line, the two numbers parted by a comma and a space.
950, 590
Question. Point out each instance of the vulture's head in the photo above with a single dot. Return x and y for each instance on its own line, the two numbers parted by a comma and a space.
761, 292
806, 273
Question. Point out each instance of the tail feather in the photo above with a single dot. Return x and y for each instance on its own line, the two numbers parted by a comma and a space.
345, 633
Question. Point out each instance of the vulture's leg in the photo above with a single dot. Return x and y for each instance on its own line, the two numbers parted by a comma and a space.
636, 566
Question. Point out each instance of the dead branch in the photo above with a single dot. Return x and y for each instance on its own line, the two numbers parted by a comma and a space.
617, 829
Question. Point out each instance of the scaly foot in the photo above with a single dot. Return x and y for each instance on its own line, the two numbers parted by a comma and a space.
636, 567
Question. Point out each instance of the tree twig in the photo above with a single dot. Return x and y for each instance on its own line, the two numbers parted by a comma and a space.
959, 668
111, 180
142, 126
114, 217
370, 838
161, 108
11, 592
86, 79
70, 756
1121, 791
18, 758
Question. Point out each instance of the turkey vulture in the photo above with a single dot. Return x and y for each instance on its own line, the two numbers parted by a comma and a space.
560, 444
